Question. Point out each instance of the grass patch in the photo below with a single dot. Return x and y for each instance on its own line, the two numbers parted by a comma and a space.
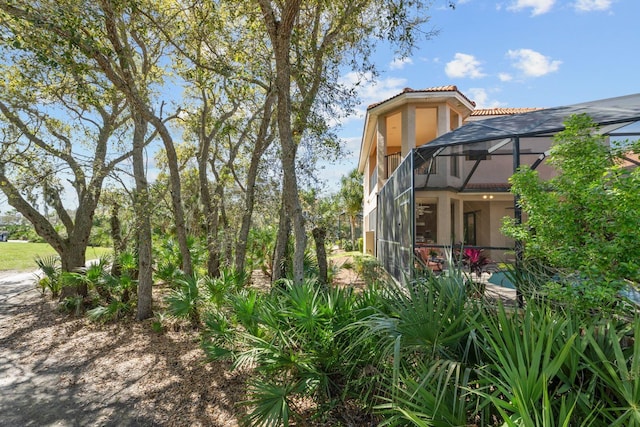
19, 256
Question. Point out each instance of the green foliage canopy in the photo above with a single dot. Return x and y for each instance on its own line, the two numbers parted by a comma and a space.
587, 217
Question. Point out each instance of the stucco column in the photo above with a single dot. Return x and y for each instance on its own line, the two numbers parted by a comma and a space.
458, 226
381, 137
443, 119
444, 219
408, 129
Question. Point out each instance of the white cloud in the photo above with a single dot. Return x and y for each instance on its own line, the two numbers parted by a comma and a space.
592, 5
505, 77
532, 63
399, 63
539, 6
481, 97
464, 65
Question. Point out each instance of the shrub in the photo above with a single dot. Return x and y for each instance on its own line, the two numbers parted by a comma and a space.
52, 269
291, 338
184, 301
369, 268
587, 217
423, 350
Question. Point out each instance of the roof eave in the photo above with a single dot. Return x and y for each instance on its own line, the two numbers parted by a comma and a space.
406, 97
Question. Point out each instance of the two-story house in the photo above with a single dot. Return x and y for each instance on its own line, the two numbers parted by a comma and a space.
436, 169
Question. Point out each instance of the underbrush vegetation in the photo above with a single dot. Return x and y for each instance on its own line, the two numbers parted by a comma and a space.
426, 352
429, 351
95, 289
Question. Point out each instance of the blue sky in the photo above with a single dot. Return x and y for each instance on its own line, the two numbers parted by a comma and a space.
508, 53
513, 53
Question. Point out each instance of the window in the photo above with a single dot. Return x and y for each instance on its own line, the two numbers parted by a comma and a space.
453, 166
478, 155
428, 167
426, 222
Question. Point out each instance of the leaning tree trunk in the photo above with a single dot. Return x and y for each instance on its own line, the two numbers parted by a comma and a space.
263, 141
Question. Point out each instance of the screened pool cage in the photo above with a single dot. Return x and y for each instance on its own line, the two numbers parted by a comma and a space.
454, 191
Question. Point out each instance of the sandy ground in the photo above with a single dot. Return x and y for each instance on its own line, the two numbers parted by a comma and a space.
61, 370
58, 370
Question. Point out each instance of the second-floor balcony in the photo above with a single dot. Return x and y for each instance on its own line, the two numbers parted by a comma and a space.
392, 162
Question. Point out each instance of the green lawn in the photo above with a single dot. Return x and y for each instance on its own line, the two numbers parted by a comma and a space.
20, 256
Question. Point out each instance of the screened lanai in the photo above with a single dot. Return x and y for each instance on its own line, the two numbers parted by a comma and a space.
454, 190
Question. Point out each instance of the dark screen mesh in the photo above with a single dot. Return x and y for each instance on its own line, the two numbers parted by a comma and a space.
395, 221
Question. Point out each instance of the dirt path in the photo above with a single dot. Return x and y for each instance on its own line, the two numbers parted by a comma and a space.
57, 370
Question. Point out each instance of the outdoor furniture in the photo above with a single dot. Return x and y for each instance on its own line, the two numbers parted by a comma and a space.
430, 258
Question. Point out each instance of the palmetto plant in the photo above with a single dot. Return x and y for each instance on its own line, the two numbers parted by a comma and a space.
534, 373
184, 301
111, 293
194, 294
433, 393
227, 283
424, 350
260, 248
168, 261
290, 337
52, 269
615, 362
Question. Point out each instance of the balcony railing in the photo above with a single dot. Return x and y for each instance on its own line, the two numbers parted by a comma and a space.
393, 161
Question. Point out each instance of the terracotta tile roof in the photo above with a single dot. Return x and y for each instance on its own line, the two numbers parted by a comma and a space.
501, 111
448, 88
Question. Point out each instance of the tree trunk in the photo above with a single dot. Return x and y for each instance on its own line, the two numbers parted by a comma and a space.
290, 195
243, 234
280, 32
72, 258
263, 141
227, 240
116, 236
210, 214
178, 210
319, 235
294, 209
278, 269
143, 223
